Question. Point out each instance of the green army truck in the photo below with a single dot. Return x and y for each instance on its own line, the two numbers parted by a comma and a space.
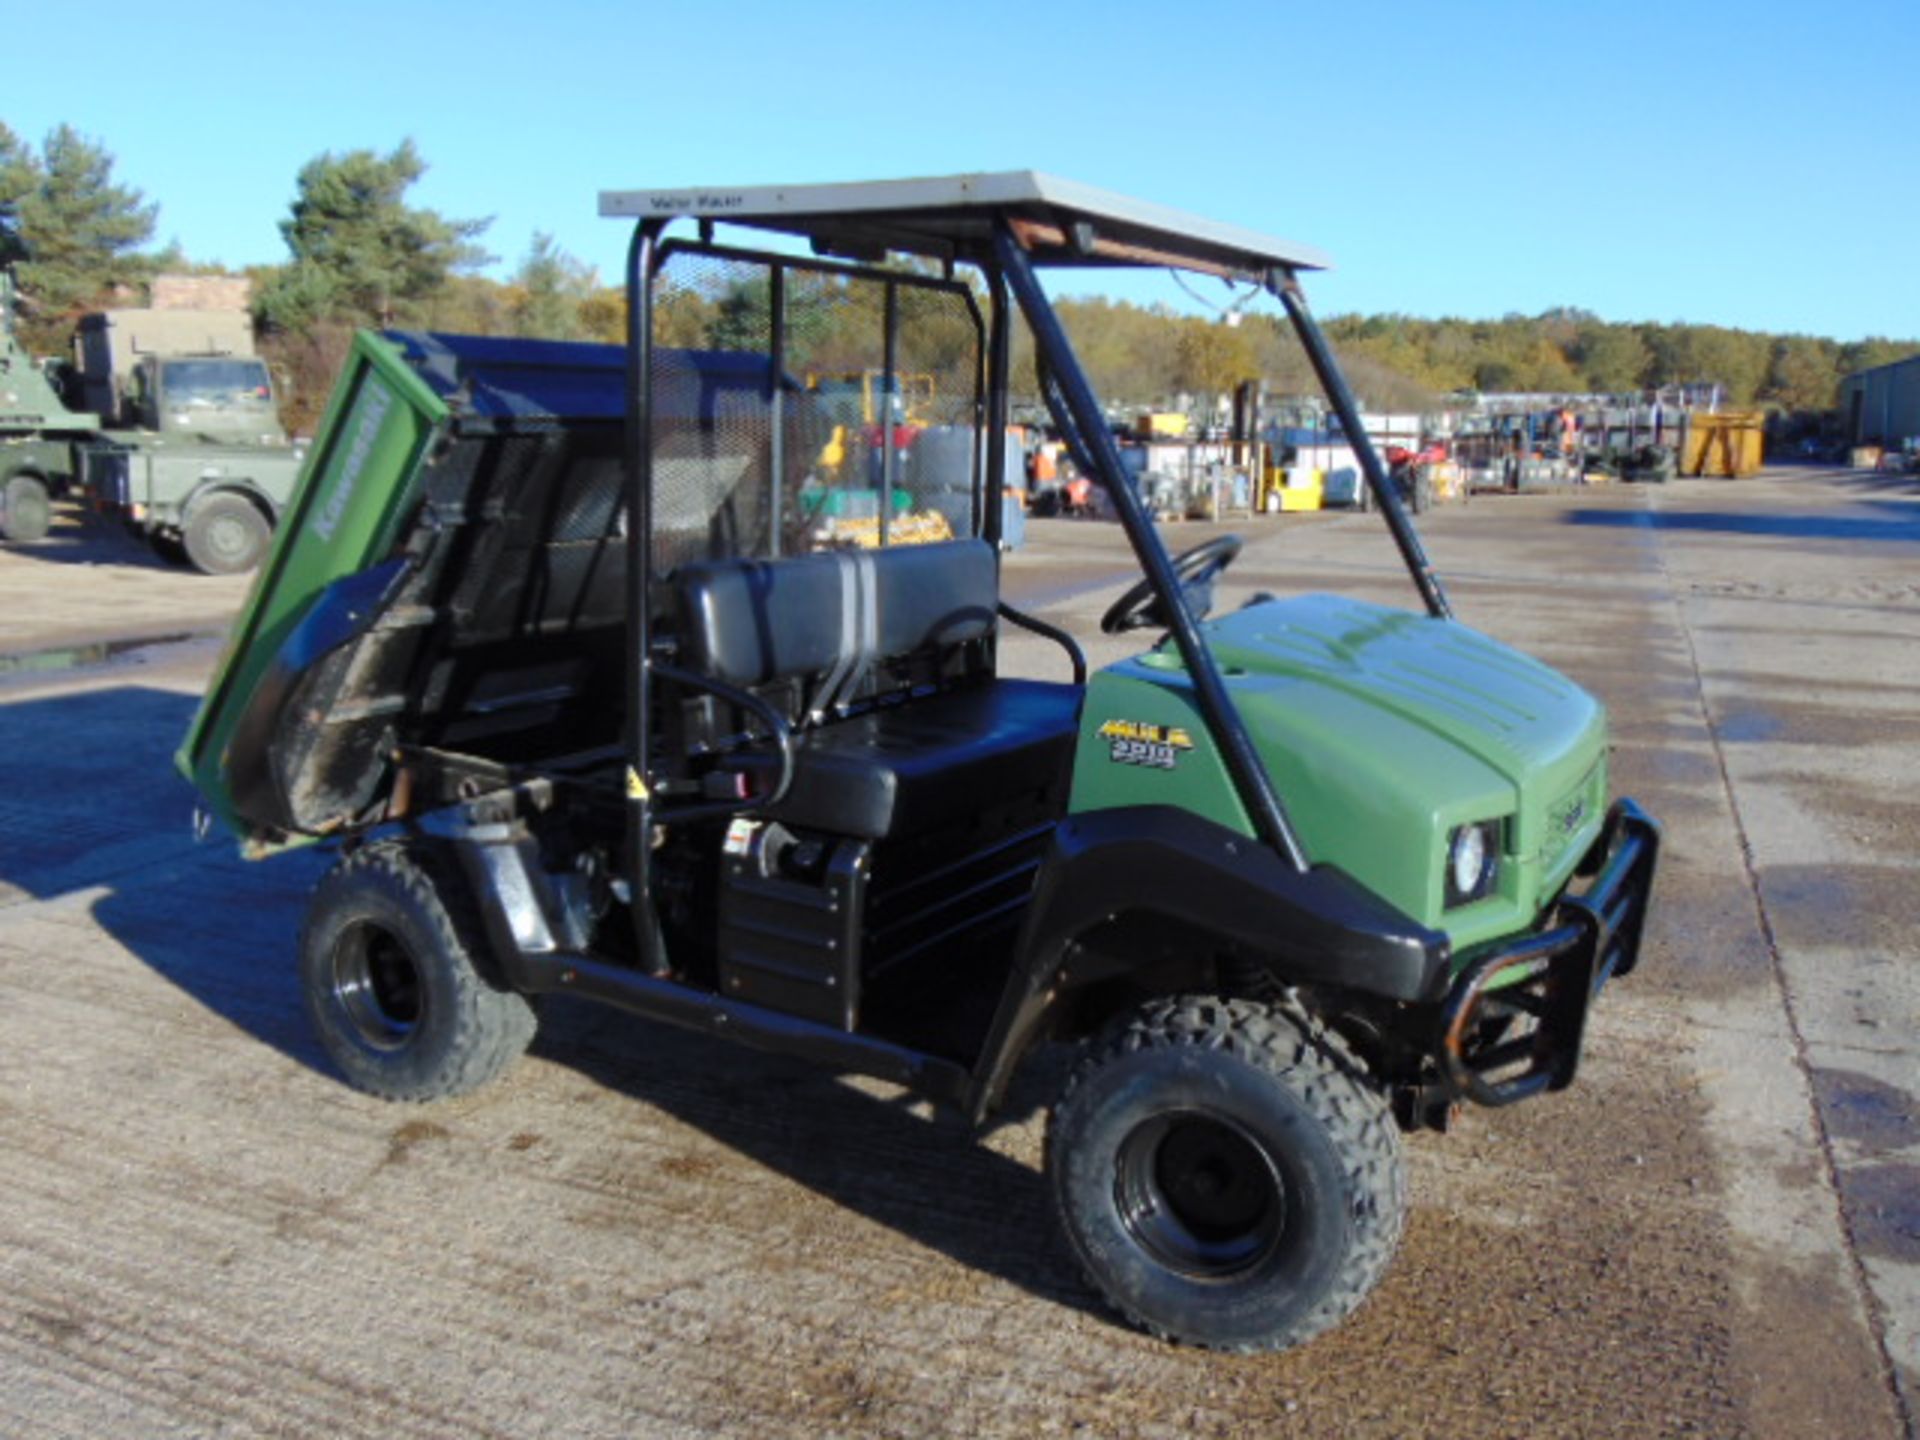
37, 433
549, 649
208, 470
183, 442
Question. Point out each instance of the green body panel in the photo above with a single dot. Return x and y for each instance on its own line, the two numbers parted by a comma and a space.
1383, 731
51, 460
28, 400
37, 430
357, 488
1142, 742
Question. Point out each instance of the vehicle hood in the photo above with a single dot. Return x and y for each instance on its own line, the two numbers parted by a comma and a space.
1383, 730
1420, 676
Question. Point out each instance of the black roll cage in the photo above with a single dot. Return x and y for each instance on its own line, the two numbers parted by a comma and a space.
1011, 278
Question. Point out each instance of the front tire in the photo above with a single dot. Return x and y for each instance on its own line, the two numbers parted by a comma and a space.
387, 967
1228, 1177
225, 535
27, 512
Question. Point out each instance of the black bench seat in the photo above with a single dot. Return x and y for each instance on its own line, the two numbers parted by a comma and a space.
906, 768
899, 722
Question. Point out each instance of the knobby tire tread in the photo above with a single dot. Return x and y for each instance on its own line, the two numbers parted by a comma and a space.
492, 1027
1320, 1067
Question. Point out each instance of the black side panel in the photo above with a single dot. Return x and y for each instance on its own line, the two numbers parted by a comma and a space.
790, 928
1317, 927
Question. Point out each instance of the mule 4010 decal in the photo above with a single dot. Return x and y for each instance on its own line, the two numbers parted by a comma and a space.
1135, 742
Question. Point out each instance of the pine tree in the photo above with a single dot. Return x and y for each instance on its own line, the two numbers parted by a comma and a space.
19, 173
361, 254
77, 233
551, 285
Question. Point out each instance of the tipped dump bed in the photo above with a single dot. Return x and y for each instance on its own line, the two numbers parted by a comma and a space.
451, 574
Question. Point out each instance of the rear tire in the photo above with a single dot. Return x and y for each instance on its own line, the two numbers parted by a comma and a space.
225, 535
387, 966
27, 513
1228, 1177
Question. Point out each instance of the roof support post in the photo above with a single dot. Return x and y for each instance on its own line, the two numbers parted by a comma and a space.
638, 447
989, 509
883, 403
1250, 779
1287, 287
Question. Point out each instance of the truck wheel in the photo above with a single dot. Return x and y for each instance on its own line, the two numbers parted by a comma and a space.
1226, 1177
28, 513
391, 985
225, 535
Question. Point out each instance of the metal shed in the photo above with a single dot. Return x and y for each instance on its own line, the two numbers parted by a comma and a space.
1882, 405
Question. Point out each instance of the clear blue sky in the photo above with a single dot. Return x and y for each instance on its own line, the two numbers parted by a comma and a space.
1754, 165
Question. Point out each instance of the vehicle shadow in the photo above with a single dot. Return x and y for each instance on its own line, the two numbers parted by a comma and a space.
927, 1177
1881, 482
78, 539
92, 803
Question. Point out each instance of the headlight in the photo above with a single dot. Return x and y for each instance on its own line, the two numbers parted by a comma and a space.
1473, 861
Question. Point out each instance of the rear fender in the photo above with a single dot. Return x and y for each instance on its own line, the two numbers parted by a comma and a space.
1225, 890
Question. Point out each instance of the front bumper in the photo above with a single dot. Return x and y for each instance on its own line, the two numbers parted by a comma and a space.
1512, 1024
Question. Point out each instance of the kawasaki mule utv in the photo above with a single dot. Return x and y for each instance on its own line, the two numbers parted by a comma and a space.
559, 646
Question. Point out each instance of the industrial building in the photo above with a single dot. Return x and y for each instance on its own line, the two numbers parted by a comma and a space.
1881, 406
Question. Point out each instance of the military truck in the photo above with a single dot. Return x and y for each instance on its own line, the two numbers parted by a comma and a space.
549, 650
109, 346
208, 469
37, 433
180, 438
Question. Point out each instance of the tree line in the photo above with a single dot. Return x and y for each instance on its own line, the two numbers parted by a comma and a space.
359, 253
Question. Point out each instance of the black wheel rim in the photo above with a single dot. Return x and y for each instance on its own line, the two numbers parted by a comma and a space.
376, 985
1200, 1194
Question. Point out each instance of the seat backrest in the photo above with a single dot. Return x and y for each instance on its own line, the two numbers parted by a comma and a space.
833, 620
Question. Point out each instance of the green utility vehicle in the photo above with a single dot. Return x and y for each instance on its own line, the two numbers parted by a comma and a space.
547, 646
185, 447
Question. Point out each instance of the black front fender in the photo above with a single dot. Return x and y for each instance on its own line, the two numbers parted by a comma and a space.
1316, 927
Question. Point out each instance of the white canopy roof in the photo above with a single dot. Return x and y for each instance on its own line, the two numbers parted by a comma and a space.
1061, 221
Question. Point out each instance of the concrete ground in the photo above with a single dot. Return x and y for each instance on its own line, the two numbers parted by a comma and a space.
644, 1232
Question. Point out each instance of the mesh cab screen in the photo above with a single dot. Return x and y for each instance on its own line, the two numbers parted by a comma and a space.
800, 405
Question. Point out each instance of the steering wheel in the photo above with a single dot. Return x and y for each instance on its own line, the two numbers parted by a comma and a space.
1195, 569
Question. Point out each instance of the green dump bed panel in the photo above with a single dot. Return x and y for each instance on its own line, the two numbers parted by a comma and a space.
353, 497
452, 574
